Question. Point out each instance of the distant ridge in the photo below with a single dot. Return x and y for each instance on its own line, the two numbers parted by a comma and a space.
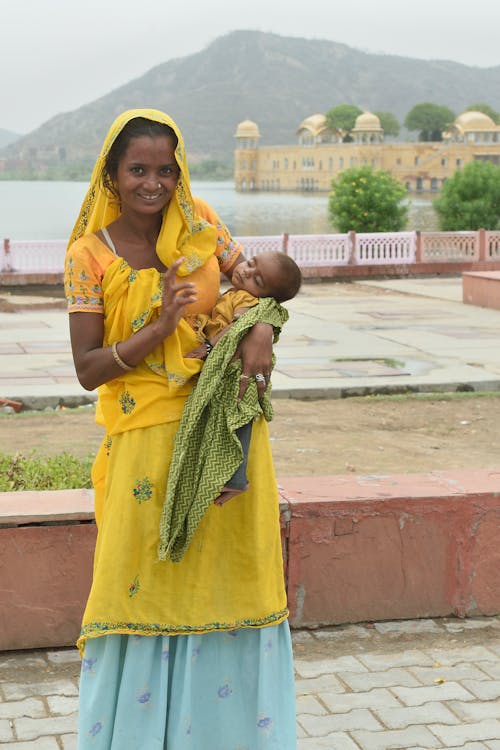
8, 136
276, 81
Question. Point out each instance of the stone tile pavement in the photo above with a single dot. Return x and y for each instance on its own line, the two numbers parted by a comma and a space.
342, 339
372, 686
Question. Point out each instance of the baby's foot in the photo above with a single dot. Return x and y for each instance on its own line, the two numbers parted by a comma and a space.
227, 493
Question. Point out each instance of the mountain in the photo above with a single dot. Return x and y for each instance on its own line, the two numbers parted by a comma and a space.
274, 80
8, 136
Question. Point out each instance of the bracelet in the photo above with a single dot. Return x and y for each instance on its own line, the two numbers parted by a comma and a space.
119, 361
208, 347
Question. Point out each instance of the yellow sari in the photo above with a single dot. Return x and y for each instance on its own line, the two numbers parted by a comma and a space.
232, 574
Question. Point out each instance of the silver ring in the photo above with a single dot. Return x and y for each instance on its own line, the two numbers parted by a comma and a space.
259, 378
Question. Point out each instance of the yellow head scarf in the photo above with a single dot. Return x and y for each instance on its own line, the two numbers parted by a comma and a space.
182, 233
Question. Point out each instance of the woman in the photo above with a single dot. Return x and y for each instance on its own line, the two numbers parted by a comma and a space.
194, 654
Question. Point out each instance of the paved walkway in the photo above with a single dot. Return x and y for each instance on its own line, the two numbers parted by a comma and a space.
412, 684
342, 339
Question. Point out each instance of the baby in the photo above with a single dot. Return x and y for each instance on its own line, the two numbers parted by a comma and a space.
270, 274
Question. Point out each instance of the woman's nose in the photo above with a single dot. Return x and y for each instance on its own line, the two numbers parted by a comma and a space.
151, 181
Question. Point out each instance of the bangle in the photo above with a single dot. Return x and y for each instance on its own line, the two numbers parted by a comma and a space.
208, 347
119, 361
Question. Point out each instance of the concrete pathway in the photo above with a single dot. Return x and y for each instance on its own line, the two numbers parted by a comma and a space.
413, 684
342, 339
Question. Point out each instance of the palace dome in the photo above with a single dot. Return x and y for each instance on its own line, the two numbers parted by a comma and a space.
247, 129
315, 124
367, 121
474, 121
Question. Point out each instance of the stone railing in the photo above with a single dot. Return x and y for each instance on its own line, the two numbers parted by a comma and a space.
314, 251
32, 256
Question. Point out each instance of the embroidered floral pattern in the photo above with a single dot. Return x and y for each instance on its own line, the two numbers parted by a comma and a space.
108, 442
127, 628
134, 587
143, 490
138, 322
224, 691
127, 402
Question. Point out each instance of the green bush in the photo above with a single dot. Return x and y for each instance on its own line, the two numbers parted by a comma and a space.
34, 472
470, 199
367, 200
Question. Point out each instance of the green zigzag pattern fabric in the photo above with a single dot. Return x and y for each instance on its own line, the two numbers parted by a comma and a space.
206, 450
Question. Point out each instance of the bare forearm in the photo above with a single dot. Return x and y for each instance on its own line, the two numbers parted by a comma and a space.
99, 365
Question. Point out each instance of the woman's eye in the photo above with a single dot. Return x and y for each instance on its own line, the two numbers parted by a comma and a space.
136, 170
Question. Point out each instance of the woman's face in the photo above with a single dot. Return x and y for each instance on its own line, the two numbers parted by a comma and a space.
147, 174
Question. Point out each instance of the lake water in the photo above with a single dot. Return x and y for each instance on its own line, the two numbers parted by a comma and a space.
48, 210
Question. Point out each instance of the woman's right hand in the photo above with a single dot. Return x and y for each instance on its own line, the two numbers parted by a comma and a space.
175, 296
95, 364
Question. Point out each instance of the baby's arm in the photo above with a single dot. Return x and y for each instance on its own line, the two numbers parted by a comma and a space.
202, 351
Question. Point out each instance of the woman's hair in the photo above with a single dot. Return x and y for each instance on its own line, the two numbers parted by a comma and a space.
290, 279
135, 128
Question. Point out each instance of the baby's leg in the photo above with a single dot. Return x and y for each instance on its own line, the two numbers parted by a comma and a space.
238, 483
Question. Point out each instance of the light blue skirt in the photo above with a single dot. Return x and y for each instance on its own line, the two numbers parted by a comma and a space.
217, 691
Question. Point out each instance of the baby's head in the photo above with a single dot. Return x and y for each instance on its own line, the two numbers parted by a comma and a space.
269, 274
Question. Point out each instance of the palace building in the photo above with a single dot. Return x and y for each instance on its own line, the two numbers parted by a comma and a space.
320, 154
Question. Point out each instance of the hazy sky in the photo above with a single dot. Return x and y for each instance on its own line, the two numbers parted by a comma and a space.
59, 54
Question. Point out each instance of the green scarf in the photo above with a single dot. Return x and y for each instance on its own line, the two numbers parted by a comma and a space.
206, 450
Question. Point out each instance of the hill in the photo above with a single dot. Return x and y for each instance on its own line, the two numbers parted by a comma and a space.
276, 81
8, 136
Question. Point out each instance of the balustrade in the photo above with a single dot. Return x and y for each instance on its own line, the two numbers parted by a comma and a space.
449, 246
308, 250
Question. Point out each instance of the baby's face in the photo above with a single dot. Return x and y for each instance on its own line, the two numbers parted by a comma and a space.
258, 276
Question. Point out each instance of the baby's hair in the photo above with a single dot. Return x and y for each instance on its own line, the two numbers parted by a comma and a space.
290, 278
135, 128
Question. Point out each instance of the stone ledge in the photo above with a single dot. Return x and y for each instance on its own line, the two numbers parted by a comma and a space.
355, 549
392, 547
481, 289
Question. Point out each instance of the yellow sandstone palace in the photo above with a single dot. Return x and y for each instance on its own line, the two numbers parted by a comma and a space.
320, 154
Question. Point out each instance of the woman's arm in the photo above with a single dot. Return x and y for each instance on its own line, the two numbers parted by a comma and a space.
96, 364
256, 351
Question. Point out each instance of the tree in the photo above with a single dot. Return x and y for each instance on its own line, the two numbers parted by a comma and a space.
388, 123
430, 120
486, 110
367, 200
470, 199
343, 117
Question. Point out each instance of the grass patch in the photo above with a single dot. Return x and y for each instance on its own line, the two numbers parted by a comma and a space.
35, 472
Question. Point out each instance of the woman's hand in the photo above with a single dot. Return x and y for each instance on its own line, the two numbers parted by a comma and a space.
175, 296
256, 351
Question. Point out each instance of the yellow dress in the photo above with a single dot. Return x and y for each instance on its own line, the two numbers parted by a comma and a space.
232, 574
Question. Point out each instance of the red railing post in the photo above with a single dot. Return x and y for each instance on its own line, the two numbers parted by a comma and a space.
352, 247
482, 245
418, 246
6, 252
285, 243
